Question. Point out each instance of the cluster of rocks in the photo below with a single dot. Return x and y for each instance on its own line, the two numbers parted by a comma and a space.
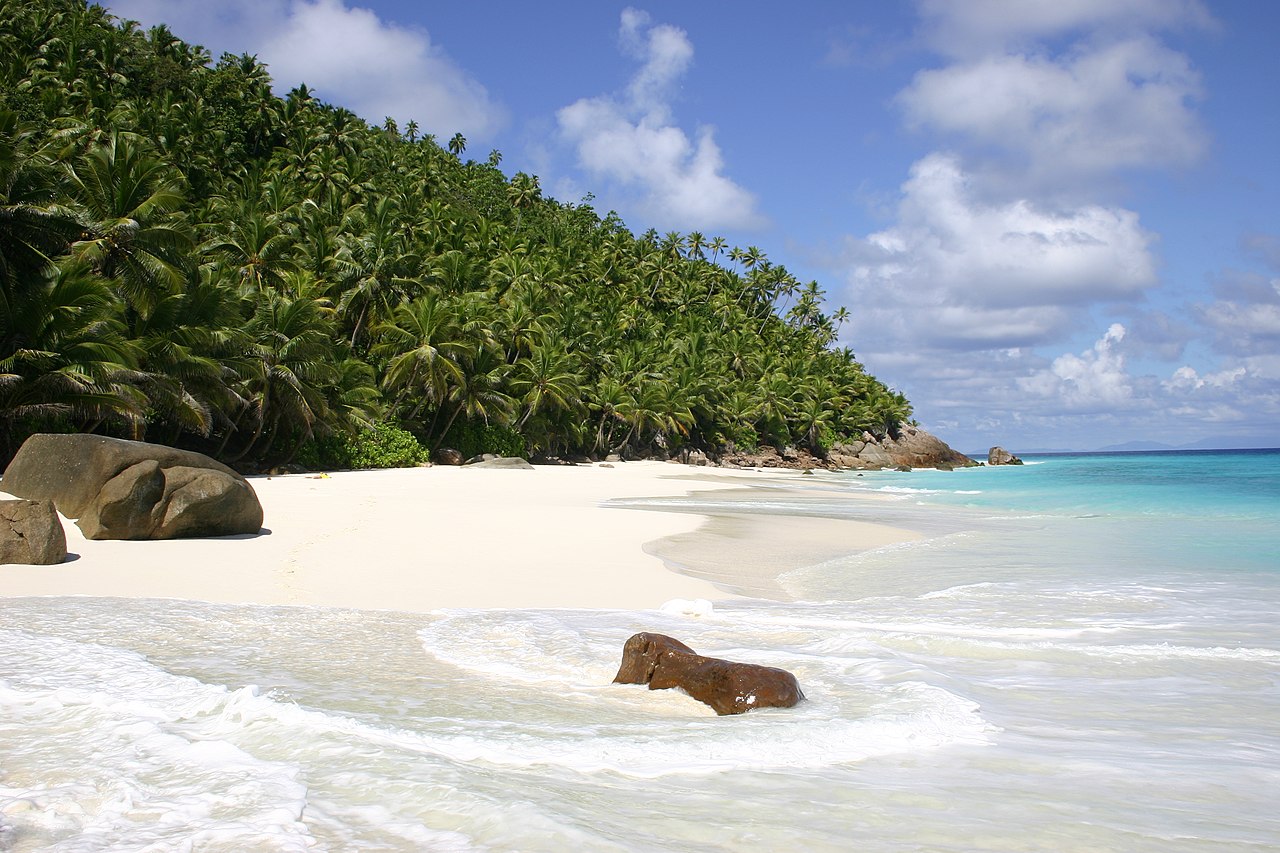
449, 456
117, 489
912, 448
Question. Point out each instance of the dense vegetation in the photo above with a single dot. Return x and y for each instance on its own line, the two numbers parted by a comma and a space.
186, 258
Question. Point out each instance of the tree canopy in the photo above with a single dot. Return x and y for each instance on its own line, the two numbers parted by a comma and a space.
189, 259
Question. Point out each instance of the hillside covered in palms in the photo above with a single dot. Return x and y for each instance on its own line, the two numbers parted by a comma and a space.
188, 259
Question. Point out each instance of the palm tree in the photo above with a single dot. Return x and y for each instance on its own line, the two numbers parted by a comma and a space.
134, 236
423, 345
547, 379
457, 145
63, 353
258, 249
292, 362
479, 393
33, 230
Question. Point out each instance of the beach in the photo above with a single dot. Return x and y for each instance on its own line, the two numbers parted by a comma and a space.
418, 539
1078, 654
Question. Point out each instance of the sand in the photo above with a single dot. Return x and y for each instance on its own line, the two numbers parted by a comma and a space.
420, 539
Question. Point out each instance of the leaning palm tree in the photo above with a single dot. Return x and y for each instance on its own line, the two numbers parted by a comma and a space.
478, 394
546, 380
423, 345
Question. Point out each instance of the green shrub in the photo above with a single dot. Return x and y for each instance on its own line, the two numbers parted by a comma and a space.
826, 439
378, 446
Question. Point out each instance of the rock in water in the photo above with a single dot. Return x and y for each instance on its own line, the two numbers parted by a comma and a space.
1000, 456
121, 489
31, 533
663, 662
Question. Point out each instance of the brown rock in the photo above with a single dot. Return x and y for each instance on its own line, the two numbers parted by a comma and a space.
31, 533
448, 456
1000, 456
921, 449
133, 490
664, 662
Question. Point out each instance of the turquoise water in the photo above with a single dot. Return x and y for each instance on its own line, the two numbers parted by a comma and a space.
1210, 511
1083, 654
1190, 484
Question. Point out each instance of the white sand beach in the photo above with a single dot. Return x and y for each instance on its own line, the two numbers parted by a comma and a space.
425, 538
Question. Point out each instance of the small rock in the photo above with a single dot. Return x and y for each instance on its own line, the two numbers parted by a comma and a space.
31, 533
448, 456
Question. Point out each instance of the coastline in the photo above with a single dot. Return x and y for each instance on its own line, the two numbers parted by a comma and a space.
421, 539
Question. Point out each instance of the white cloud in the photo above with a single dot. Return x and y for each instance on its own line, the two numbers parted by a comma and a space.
954, 272
976, 27
1099, 109
630, 140
1245, 315
1094, 380
1009, 238
348, 55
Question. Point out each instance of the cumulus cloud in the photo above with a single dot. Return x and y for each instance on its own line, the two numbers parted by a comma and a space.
1096, 110
1009, 238
985, 275
1094, 380
347, 54
629, 140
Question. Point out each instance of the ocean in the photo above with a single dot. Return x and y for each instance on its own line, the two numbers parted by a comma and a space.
1083, 654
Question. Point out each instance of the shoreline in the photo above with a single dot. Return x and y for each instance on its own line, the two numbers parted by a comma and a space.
422, 539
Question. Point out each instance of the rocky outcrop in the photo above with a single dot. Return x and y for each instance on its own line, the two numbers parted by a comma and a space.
919, 449
913, 448
1000, 456
31, 533
119, 489
664, 662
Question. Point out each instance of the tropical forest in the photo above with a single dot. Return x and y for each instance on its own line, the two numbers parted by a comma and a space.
188, 259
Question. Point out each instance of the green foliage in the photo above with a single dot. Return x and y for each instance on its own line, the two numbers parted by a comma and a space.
376, 446
187, 258
472, 438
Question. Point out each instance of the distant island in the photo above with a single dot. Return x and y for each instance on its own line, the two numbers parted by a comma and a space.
188, 259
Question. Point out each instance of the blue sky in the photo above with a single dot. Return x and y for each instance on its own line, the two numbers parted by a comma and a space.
1055, 224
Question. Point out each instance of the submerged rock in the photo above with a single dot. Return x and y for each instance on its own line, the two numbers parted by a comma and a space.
664, 662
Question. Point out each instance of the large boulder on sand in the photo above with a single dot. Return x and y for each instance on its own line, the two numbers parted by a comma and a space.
664, 662
31, 533
121, 489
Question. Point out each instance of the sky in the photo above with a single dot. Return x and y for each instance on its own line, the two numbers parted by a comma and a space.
1056, 225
